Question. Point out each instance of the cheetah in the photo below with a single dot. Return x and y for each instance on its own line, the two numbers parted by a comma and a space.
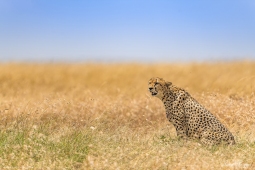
190, 119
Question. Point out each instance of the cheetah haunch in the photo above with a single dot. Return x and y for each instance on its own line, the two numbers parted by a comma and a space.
190, 119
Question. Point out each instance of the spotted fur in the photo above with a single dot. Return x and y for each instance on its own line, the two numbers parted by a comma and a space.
190, 119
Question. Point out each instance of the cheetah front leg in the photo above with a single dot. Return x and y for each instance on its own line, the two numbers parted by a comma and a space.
177, 117
181, 131
181, 124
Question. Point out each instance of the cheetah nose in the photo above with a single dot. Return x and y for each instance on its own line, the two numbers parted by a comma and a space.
150, 88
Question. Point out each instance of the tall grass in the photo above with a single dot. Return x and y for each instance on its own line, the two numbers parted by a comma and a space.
101, 116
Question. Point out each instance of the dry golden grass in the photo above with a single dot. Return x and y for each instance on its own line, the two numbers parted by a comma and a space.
101, 116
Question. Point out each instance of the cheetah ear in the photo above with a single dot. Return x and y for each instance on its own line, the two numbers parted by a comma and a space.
168, 83
158, 79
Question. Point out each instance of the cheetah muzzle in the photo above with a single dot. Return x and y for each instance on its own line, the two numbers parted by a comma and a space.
153, 93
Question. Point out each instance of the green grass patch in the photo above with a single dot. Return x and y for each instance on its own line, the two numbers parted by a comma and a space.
35, 147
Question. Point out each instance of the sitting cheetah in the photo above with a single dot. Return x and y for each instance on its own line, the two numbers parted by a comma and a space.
190, 119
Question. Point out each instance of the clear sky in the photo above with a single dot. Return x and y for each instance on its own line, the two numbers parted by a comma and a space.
127, 30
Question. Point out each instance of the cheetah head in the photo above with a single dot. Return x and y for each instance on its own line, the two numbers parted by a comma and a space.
157, 86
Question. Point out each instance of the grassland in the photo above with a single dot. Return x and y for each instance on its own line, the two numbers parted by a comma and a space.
101, 116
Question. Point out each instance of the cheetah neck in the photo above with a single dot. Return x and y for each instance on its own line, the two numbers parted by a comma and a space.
168, 97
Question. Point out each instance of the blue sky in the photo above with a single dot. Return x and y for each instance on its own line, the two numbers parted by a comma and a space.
127, 30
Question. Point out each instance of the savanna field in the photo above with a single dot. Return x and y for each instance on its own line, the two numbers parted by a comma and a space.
101, 116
